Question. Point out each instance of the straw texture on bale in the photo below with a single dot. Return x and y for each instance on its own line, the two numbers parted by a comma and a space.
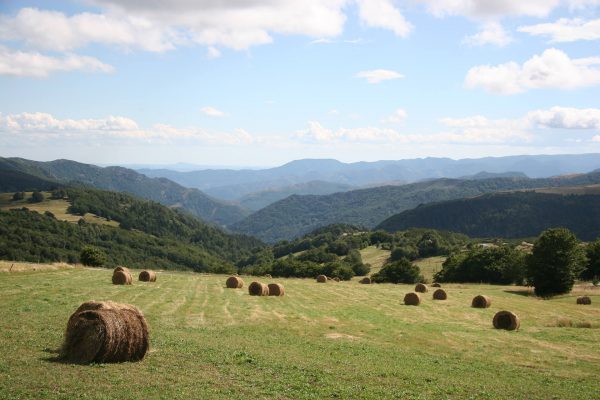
366, 280
258, 289
122, 278
506, 320
276, 289
421, 288
436, 285
147, 276
584, 300
412, 299
440, 294
481, 301
105, 332
234, 282
321, 279
124, 269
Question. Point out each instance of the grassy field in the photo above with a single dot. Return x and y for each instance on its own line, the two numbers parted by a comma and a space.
429, 266
375, 256
56, 207
320, 341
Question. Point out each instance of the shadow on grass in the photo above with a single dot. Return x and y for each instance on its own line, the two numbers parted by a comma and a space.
521, 292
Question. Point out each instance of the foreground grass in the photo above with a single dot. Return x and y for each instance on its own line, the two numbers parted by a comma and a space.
334, 340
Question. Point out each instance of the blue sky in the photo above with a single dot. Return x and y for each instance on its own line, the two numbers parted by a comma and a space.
263, 82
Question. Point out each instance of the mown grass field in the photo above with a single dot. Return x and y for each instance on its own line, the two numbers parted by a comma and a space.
56, 207
320, 341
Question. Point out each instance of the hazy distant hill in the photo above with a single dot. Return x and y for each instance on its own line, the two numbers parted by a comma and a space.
126, 180
508, 215
256, 201
234, 184
297, 215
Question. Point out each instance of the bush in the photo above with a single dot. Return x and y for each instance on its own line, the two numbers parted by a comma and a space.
36, 197
18, 196
408, 252
337, 269
592, 268
400, 271
555, 262
92, 256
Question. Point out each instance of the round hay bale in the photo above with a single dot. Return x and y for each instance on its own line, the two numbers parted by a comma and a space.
147, 276
585, 300
110, 333
506, 320
101, 305
276, 289
234, 282
365, 281
122, 278
336, 279
421, 288
412, 299
258, 289
124, 269
440, 294
436, 285
481, 301
321, 279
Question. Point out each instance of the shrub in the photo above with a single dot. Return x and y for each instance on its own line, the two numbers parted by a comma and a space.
408, 252
400, 271
592, 267
92, 256
18, 196
36, 197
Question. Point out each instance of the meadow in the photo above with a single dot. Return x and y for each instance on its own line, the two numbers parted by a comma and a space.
334, 340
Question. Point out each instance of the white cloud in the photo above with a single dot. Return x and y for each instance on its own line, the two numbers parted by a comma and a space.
491, 8
212, 112
20, 63
596, 138
212, 53
492, 33
397, 117
479, 129
379, 75
566, 118
45, 127
552, 69
383, 14
566, 30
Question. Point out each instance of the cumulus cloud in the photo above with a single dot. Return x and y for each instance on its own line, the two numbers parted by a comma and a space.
566, 118
553, 69
379, 75
491, 8
44, 127
491, 33
566, 30
397, 117
383, 14
21, 63
212, 112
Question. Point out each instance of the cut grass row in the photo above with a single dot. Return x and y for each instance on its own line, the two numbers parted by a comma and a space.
333, 340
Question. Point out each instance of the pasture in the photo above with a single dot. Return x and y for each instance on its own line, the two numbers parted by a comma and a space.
320, 341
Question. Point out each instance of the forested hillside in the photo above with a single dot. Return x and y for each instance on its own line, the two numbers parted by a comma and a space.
126, 180
297, 215
507, 215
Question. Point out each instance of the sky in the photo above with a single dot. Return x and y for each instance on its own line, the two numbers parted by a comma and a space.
264, 82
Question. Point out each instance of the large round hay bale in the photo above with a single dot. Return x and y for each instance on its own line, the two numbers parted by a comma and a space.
412, 299
365, 281
234, 282
481, 301
435, 284
421, 288
122, 278
109, 333
276, 289
147, 276
506, 320
321, 279
440, 294
258, 289
124, 269
584, 300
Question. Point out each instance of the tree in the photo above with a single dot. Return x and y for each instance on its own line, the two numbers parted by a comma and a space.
92, 256
555, 262
401, 271
36, 197
18, 196
592, 268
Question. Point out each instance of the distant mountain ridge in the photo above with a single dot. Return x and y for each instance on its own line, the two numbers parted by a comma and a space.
233, 184
508, 215
298, 215
126, 180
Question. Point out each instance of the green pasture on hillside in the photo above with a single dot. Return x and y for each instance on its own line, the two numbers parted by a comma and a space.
320, 341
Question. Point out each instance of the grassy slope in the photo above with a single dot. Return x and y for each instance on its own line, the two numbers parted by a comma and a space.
374, 256
429, 266
334, 340
56, 207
